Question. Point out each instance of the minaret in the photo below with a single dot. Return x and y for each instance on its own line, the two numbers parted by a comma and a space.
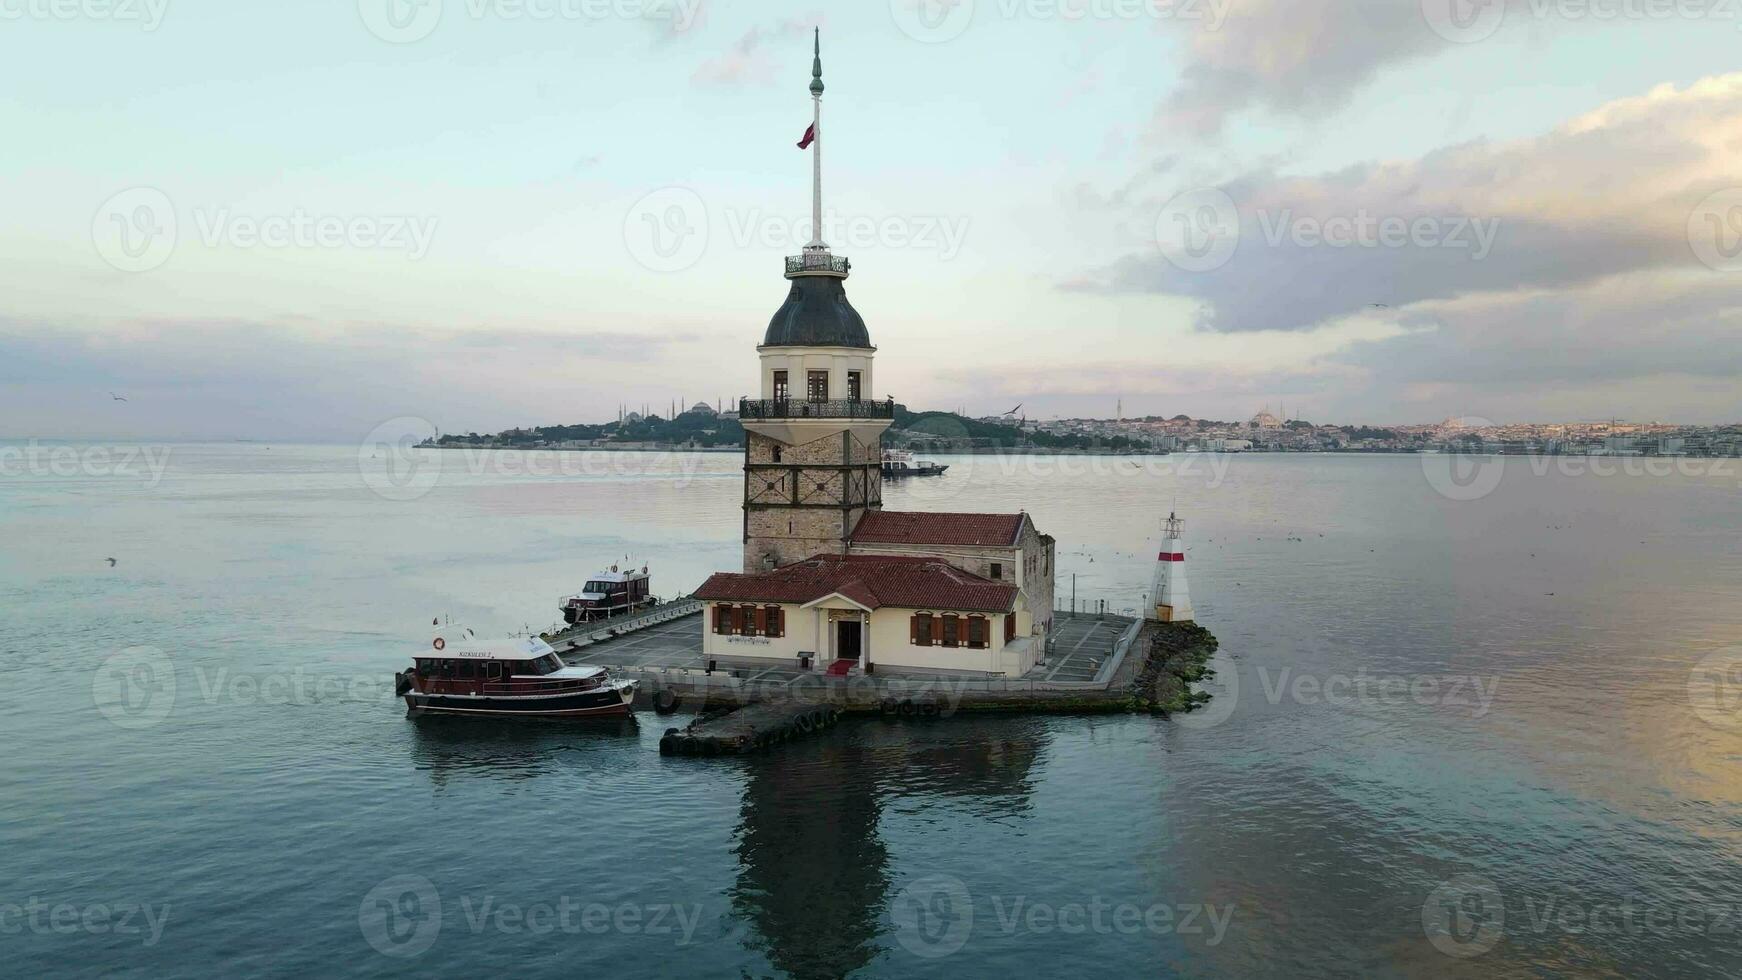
813, 449
1168, 596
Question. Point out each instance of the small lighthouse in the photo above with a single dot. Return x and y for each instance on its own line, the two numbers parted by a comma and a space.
1172, 603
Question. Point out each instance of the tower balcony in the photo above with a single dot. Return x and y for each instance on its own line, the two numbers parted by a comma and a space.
787, 409
817, 263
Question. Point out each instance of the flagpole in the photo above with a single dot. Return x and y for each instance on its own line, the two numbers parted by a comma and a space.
817, 145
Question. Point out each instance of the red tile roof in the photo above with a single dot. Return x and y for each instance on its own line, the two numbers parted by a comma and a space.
872, 581
896, 527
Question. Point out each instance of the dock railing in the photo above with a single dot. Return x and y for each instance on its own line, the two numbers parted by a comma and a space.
587, 634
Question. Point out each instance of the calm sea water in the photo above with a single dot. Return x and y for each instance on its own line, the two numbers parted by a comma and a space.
1495, 736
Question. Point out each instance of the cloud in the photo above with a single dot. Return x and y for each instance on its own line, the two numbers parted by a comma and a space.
1605, 194
748, 63
1293, 56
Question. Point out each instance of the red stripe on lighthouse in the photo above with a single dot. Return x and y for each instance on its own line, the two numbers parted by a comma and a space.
1176, 556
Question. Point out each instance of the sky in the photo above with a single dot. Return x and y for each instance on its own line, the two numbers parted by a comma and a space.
275, 220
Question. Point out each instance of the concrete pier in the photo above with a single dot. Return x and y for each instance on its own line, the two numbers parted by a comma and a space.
749, 729
1100, 664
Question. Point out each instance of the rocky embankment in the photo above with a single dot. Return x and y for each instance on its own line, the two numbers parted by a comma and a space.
1178, 656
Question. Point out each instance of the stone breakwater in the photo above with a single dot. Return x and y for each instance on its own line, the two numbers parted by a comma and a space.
1178, 657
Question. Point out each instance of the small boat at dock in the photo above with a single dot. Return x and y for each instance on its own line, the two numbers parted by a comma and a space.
610, 593
461, 674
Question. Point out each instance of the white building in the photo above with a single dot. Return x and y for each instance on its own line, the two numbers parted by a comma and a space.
865, 613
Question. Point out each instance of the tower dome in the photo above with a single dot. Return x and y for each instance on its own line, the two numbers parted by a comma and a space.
817, 314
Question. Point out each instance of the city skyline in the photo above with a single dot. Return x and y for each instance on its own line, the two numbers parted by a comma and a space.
498, 216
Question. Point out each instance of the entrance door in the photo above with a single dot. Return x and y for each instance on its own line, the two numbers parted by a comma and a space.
847, 639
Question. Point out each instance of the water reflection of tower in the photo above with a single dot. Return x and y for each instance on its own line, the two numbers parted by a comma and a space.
813, 869
814, 874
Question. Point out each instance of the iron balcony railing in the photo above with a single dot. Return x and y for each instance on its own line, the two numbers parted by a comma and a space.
754, 409
818, 262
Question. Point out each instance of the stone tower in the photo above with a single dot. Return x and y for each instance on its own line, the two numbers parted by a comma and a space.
814, 439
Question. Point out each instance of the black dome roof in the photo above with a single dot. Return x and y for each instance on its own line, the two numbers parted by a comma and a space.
816, 314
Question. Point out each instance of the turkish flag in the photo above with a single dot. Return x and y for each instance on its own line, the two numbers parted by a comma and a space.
810, 136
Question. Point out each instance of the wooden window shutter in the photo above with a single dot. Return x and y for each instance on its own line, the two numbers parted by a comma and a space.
937, 631
761, 620
1010, 627
722, 619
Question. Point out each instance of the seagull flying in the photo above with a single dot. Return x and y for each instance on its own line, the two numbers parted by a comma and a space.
1018, 408
111, 562
116, 397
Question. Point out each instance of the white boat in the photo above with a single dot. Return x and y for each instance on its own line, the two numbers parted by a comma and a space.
462, 674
